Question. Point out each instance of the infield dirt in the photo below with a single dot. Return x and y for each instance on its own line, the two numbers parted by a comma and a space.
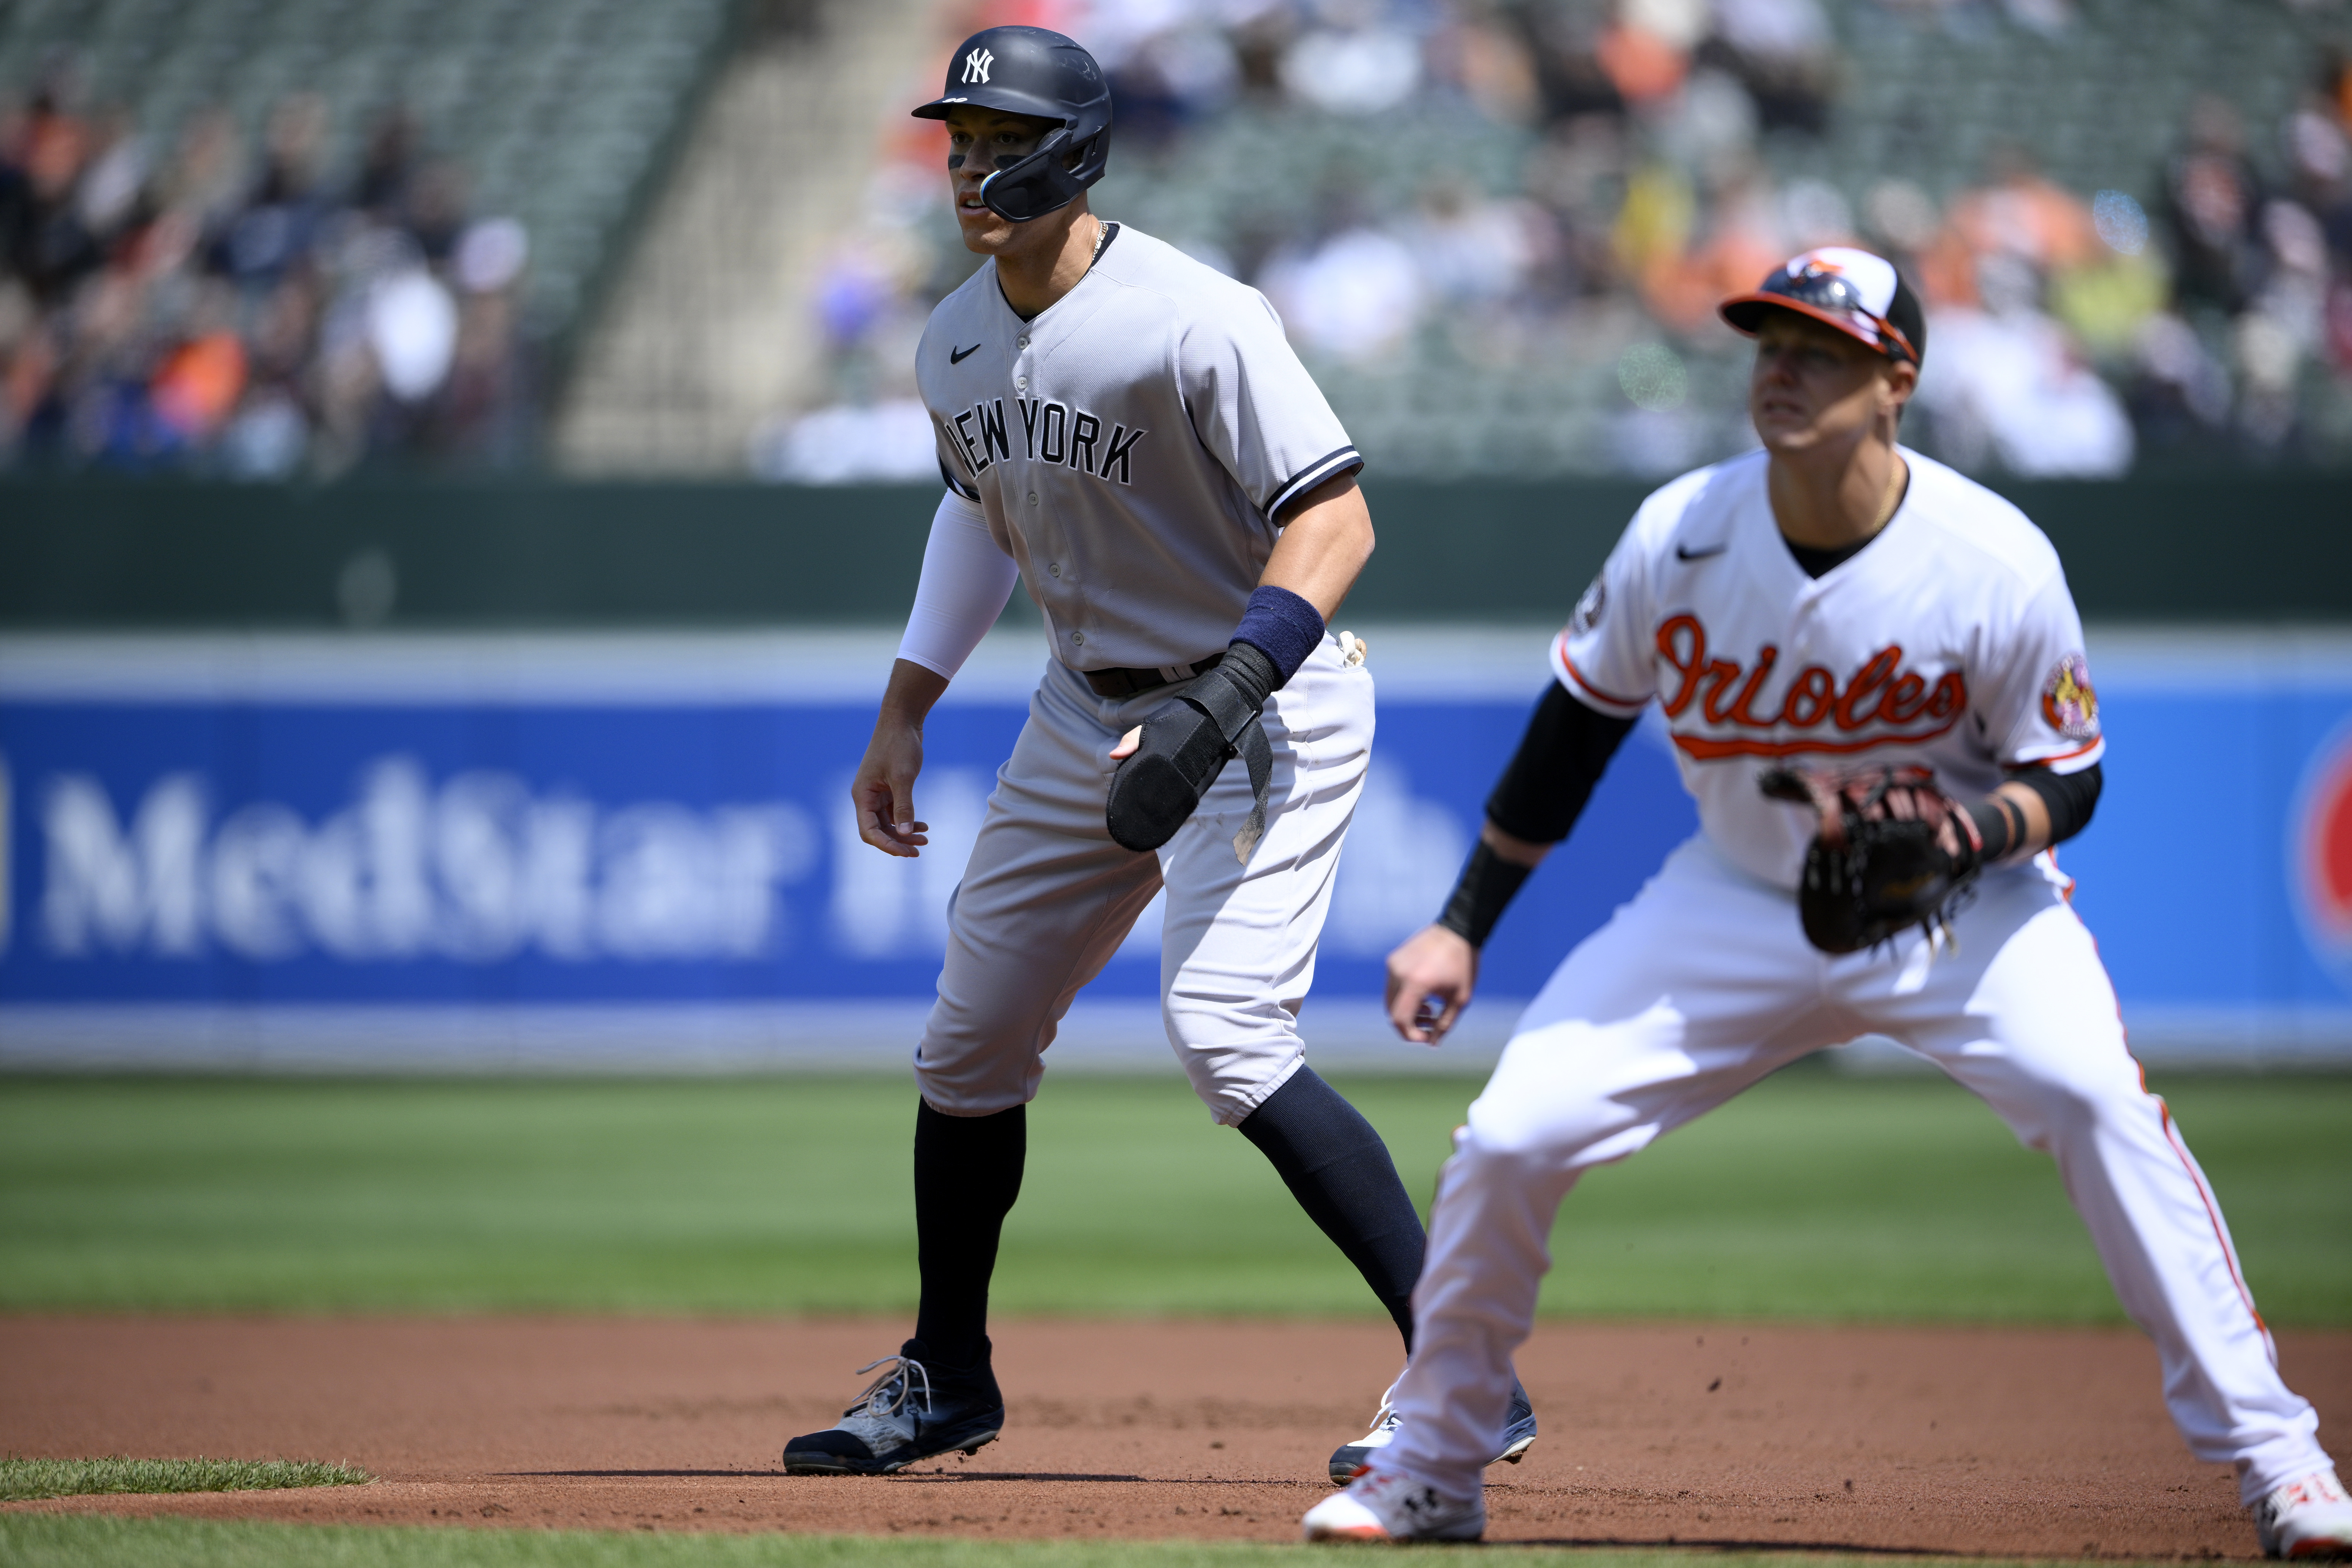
2048, 1442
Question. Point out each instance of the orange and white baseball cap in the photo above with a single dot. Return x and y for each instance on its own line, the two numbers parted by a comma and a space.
1856, 292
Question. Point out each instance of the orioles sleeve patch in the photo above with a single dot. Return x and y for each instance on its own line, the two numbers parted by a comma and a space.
1587, 614
2068, 702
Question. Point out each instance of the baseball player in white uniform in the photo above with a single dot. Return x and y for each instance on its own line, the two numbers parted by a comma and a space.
1834, 600
1128, 432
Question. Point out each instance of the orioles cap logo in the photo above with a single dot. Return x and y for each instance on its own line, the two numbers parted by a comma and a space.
975, 65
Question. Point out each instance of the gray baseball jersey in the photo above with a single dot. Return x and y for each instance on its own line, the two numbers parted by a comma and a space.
1130, 446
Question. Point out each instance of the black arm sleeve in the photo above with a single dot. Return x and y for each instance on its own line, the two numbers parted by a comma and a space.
1560, 758
2071, 798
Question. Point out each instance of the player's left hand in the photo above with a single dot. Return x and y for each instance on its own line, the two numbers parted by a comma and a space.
1126, 744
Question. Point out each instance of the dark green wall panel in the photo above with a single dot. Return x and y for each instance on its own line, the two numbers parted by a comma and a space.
96, 553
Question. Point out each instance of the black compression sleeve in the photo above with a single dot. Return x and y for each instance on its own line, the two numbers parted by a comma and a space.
2071, 798
1562, 755
1484, 889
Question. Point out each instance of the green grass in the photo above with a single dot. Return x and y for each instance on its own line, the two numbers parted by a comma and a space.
24, 1479
1815, 1196
50, 1541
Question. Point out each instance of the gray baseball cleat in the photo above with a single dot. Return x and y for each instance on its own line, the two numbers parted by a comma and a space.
902, 1418
1350, 1460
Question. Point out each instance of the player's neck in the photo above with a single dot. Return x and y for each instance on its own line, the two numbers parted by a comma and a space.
1828, 500
1045, 264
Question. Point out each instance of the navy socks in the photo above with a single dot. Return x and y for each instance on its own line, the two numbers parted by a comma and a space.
967, 1173
1340, 1172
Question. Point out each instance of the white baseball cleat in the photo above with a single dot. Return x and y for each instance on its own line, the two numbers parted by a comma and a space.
2307, 1518
1382, 1507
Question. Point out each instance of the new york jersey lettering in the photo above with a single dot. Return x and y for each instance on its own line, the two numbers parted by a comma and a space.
1051, 432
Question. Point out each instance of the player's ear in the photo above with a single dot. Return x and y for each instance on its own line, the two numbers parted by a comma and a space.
1902, 381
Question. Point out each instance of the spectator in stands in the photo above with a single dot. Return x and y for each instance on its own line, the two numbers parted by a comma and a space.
1563, 44
2019, 213
2213, 196
1578, 174
1352, 293
1479, 54
1781, 52
1646, 53
48, 246
2319, 163
1472, 251
277, 222
2010, 388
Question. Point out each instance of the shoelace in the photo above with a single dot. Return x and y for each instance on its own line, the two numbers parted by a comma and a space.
899, 1375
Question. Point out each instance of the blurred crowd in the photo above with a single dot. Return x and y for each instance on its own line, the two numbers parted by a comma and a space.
2067, 329
220, 304
1590, 177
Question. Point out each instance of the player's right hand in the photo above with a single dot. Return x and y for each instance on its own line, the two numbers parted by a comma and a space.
1431, 976
883, 792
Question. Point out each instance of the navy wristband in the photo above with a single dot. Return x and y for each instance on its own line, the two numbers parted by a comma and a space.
1281, 626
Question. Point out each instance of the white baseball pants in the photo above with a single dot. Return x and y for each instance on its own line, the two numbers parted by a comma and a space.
1702, 986
1048, 896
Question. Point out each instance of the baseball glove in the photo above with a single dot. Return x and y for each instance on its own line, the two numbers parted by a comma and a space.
1891, 851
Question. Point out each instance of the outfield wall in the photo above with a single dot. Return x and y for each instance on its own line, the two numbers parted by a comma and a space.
80, 553
633, 850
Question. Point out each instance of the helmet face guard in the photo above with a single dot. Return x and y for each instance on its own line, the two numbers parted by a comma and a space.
1042, 74
1043, 183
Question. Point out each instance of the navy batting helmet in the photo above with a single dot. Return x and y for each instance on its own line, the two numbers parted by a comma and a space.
1029, 71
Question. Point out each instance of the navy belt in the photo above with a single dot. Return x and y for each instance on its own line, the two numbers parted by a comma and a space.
1125, 682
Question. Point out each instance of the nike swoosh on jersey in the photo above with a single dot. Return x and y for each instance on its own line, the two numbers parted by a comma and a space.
956, 355
1684, 552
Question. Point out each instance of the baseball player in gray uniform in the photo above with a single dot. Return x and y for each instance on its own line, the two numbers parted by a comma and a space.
1127, 431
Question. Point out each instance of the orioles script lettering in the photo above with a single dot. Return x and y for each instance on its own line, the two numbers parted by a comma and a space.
1881, 705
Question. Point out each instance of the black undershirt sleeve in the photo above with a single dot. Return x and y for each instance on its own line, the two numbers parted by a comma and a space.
2071, 798
1565, 748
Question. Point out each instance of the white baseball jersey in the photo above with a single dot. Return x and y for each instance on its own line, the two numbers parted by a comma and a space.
1130, 446
1949, 640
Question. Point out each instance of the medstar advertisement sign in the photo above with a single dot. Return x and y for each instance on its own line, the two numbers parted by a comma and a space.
203, 835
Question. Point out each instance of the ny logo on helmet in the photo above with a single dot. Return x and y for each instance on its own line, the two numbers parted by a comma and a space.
975, 65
